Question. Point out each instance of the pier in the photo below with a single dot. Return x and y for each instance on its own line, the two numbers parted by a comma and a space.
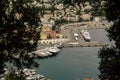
85, 44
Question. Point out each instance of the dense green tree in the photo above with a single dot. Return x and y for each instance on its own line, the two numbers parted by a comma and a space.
15, 77
18, 32
110, 56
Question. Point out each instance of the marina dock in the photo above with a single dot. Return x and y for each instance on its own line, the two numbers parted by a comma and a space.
68, 30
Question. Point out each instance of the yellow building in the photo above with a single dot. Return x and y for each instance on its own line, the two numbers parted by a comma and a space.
43, 36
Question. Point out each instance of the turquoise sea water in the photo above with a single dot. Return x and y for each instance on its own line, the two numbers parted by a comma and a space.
74, 63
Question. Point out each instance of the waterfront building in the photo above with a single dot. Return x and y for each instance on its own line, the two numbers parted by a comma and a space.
47, 33
43, 36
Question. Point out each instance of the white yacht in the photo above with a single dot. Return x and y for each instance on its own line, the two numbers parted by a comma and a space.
53, 49
40, 53
46, 51
85, 34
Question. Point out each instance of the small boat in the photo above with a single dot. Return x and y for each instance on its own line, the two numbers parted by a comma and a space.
38, 76
34, 77
76, 38
76, 35
86, 35
28, 72
59, 46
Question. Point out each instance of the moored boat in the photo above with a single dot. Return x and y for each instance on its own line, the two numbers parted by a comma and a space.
34, 77
28, 72
85, 34
53, 49
46, 51
59, 46
76, 35
40, 53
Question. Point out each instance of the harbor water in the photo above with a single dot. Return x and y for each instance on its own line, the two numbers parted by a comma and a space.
74, 63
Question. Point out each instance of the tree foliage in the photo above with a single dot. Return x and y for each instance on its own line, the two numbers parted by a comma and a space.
15, 77
112, 9
71, 2
110, 56
18, 31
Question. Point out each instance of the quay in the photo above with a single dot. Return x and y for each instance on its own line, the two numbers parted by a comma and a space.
85, 44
